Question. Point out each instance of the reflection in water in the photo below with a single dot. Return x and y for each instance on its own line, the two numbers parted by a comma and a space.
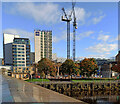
92, 93
100, 95
95, 97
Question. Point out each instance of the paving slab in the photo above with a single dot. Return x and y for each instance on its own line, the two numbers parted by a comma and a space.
22, 91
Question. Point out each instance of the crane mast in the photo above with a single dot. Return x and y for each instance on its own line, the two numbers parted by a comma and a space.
74, 28
67, 19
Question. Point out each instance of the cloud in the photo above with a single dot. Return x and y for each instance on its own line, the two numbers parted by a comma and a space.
84, 34
20, 32
60, 37
97, 56
103, 37
114, 39
23, 34
97, 19
102, 48
80, 14
40, 12
78, 37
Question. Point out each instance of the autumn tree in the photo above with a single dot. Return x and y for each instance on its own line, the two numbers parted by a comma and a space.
68, 67
89, 66
77, 70
45, 66
116, 67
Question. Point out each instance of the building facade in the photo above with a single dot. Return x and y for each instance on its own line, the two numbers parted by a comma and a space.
106, 71
1, 61
16, 50
7, 48
118, 56
32, 57
21, 52
43, 44
23, 72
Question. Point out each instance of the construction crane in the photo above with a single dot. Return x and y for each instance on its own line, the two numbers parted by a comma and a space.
74, 28
67, 19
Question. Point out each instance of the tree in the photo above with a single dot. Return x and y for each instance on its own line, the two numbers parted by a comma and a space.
77, 69
45, 65
116, 67
68, 67
88, 66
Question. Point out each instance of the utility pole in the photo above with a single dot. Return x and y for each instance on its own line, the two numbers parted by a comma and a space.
67, 19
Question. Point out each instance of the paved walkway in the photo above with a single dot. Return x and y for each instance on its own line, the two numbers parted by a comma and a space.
22, 91
4, 88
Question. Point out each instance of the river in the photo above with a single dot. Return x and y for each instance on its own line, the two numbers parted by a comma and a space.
97, 97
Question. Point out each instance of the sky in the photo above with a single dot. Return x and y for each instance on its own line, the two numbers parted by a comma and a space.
96, 36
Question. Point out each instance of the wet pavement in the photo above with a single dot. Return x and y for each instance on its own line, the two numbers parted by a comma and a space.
6, 95
15, 90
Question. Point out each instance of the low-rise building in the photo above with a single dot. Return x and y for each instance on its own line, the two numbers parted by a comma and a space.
106, 71
6, 70
23, 72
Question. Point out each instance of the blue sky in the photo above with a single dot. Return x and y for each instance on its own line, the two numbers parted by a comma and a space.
96, 36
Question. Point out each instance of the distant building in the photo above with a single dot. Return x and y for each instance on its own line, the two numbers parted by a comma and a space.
21, 52
1, 61
118, 56
103, 61
60, 60
7, 48
43, 45
54, 56
6, 70
32, 57
106, 71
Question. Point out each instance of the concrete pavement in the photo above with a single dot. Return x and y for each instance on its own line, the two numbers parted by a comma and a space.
21, 91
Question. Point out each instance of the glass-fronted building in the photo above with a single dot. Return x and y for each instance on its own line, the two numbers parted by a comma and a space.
21, 52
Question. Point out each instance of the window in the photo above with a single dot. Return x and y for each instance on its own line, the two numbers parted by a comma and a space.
37, 34
28, 56
20, 45
27, 46
20, 48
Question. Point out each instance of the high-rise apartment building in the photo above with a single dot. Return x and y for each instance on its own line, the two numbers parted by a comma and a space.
21, 52
43, 44
7, 48
16, 50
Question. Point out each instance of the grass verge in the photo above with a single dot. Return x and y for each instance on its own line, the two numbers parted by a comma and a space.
37, 80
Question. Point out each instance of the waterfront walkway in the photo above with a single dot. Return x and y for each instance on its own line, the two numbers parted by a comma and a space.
15, 90
4, 88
